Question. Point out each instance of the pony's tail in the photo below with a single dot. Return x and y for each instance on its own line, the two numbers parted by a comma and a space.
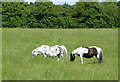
100, 57
65, 51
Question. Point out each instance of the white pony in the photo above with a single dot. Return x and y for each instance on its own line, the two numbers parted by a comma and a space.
87, 52
52, 51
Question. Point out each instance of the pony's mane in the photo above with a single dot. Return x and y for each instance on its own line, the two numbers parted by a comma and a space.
84, 47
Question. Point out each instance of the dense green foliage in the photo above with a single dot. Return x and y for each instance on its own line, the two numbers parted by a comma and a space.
48, 15
18, 64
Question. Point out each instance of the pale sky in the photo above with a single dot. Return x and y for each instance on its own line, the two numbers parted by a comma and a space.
64, 0
57, 2
60, 2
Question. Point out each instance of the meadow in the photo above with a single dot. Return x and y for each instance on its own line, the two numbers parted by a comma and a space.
18, 64
0, 53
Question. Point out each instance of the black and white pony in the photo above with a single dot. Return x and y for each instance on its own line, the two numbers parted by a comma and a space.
87, 52
50, 51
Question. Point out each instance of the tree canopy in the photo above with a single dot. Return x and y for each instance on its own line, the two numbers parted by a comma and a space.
48, 15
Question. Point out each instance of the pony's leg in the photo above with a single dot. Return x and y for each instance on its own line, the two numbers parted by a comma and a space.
99, 55
62, 56
58, 58
44, 55
81, 58
99, 58
33, 56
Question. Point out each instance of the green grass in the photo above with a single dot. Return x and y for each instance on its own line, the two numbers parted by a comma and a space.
0, 53
18, 64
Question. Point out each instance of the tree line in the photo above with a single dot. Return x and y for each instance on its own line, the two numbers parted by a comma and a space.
48, 15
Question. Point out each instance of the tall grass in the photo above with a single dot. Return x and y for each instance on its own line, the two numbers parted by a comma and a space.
18, 64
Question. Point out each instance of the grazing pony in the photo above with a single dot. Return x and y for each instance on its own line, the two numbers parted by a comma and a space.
87, 52
52, 51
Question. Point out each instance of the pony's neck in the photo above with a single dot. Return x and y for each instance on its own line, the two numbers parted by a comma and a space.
75, 52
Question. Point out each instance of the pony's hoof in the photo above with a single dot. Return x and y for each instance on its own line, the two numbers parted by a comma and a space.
32, 56
57, 60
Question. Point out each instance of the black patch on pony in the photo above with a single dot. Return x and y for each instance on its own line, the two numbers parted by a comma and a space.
72, 57
91, 52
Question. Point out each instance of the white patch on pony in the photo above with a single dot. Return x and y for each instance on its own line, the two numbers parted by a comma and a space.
80, 51
52, 51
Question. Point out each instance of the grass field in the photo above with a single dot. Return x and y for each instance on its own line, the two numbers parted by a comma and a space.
0, 53
18, 64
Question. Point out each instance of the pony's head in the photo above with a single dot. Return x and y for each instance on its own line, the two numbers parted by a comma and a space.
72, 57
34, 53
